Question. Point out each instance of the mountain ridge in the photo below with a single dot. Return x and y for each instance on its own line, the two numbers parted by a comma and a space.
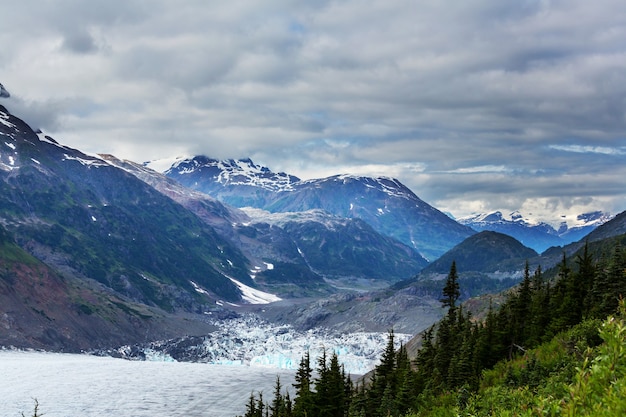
384, 203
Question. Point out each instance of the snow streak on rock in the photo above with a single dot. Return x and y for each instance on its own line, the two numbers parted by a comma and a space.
254, 296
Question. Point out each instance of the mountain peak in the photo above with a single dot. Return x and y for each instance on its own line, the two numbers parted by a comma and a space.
233, 172
487, 251
3, 92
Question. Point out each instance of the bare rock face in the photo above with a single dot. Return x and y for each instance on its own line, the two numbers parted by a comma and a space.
3, 92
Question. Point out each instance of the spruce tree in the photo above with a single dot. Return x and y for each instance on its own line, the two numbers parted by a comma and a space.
387, 364
520, 310
303, 402
611, 283
251, 410
278, 403
451, 291
586, 278
539, 309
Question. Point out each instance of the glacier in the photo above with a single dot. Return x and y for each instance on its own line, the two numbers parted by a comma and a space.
90, 386
250, 341
244, 357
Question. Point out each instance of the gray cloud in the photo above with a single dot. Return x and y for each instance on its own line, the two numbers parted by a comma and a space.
500, 105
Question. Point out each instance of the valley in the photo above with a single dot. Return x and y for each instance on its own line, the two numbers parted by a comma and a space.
227, 263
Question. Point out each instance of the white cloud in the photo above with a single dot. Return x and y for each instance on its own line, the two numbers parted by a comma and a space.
604, 150
524, 99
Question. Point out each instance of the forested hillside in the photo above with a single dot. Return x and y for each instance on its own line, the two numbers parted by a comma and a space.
552, 347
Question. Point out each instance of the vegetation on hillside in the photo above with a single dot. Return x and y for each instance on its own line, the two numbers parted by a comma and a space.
549, 349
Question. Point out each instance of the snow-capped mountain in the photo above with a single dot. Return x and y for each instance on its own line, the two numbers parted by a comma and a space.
306, 249
538, 235
384, 203
239, 183
574, 229
127, 254
234, 172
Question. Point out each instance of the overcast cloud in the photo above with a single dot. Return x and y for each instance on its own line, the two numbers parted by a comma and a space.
476, 105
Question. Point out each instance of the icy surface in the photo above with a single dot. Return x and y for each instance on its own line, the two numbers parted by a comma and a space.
249, 340
88, 386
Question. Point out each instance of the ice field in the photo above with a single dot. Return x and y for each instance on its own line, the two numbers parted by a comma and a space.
68, 385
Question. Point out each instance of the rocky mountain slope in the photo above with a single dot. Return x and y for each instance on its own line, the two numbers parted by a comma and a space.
40, 308
487, 262
82, 215
486, 252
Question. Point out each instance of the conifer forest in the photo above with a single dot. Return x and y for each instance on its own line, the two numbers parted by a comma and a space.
555, 345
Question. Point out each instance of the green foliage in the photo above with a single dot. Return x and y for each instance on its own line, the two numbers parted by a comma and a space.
451, 291
329, 395
547, 351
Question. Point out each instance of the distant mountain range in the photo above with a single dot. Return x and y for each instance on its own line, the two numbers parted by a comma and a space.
537, 235
384, 203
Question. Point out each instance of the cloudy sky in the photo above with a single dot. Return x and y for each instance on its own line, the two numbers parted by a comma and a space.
476, 105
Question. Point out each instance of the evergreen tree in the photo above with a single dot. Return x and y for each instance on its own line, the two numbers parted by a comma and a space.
451, 291
384, 371
521, 304
444, 348
338, 399
610, 284
358, 403
586, 278
304, 400
539, 309
278, 405
387, 406
251, 409
330, 397
288, 409
562, 299
260, 406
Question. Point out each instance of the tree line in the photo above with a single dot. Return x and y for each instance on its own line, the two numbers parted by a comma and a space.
456, 351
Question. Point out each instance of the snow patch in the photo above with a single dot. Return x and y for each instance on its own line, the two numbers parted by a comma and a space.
87, 162
162, 165
199, 289
10, 145
4, 119
254, 296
